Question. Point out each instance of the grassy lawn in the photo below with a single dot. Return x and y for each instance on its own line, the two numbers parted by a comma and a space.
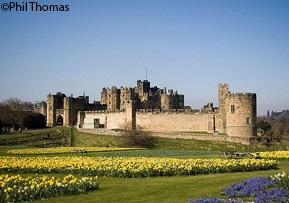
87, 139
156, 189
163, 189
48, 137
62, 136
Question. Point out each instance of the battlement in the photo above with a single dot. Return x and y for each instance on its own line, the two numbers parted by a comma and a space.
223, 85
241, 96
103, 112
57, 95
125, 88
148, 111
171, 111
112, 89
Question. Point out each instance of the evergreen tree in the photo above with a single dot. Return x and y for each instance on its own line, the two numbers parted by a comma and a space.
268, 114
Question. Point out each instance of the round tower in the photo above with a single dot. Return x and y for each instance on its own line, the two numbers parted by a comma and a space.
241, 115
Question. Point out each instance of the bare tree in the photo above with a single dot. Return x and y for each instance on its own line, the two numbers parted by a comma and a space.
11, 111
15, 104
12, 104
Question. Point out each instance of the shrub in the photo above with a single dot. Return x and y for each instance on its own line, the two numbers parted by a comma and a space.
33, 120
138, 139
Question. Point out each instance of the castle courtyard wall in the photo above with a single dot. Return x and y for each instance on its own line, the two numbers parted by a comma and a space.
219, 126
109, 120
181, 122
172, 122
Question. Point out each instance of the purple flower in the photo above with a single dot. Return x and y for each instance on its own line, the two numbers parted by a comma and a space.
279, 195
248, 187
214, 200
259, 189
207, 200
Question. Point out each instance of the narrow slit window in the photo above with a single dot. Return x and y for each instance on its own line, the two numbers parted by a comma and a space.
232, 108
248, 121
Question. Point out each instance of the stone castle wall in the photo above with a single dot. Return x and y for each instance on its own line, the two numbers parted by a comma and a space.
172, 122
149, 121
235, 117
219, 128
108, 120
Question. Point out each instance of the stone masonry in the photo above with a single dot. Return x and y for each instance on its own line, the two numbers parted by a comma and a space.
156, 110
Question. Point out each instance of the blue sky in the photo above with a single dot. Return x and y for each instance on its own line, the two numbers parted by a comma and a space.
190, 46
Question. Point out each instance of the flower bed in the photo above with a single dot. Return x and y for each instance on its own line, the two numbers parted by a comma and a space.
275, 154
58, 150
130, 166
258, 190
17, 188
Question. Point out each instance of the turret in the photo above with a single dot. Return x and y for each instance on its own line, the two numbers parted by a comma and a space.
241, 115
223, 92
143, 87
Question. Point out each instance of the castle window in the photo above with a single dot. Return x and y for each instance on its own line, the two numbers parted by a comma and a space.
232, 108
248, 121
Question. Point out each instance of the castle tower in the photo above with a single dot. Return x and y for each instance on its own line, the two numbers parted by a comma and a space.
50, 111
70, 108
54, 102
143, 87
103, 98
166, 102
241, 116
67, 106
223, 92
43, 109
178, 101
113, 99
130, 115
126, 95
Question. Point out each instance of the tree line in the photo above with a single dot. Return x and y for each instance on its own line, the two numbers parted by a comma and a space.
275, 125
18, 114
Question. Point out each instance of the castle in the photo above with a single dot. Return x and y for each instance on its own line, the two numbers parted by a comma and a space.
156, 110
143, 96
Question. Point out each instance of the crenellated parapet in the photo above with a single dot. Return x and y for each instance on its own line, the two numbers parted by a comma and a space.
171, 111
154, 109
241, 95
